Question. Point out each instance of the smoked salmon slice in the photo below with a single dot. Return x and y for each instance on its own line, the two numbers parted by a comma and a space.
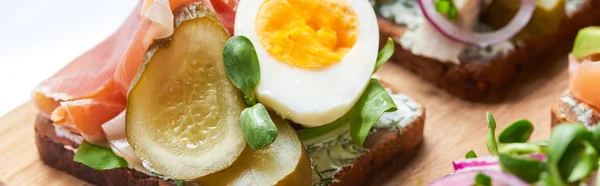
92, 89
585, 81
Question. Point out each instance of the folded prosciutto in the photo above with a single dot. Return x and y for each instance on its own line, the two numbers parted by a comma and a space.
92, 89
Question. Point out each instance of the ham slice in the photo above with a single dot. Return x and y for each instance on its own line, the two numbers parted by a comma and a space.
86, 115
117, 140
83, 91
225, 10
134, 57
92, 89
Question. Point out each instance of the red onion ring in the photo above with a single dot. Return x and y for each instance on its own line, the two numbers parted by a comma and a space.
468, 179
479, 163
453, 32
538, 156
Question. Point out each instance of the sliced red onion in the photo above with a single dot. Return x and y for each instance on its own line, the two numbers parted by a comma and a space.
480, 163
499, 178
450, 30
537, 156
486, 163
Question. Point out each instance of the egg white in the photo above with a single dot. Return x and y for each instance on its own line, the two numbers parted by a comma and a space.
307, 96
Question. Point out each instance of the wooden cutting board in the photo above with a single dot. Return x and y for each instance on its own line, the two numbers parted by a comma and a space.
453, 127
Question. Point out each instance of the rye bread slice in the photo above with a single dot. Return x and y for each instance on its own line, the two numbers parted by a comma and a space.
569, 109
476, 80
383, 145
54, 154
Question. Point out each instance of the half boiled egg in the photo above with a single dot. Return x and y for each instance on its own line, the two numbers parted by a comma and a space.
316, 56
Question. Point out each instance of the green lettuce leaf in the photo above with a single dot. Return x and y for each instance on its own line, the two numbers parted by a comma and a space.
384, 54
97, 157
317, 134
367, 110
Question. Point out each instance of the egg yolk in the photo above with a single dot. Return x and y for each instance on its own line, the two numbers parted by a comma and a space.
308, 34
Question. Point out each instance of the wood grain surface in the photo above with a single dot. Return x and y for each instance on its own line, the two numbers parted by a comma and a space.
453, 127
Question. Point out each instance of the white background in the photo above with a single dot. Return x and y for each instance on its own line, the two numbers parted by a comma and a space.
39, 37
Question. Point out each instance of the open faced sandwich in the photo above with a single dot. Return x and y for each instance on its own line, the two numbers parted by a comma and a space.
215, 92
581, 102
473, 48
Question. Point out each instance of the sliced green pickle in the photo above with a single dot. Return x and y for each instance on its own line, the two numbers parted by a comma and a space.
283, 162
587, 42
183, 112
545, 19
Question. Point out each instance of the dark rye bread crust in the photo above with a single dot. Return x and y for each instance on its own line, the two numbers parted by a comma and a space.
562, 112
383, 147
475, 80
53, 154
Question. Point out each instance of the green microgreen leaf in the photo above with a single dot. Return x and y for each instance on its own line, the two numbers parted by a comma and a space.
384, 54
521, 148
527, 169
597, 176
442, 6
258, 127
596, 138
241, 64
452, 13
179, 182
446, 8
97, 157
561, 139
370, 106
492, 145
540, 142
585, 161
311, 135
482, 180
518, 132
546, 179
470, 154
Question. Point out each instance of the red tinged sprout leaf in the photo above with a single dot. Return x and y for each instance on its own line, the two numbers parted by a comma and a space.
480, 163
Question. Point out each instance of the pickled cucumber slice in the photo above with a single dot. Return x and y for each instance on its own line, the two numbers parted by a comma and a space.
183, 112
587, 42
545, 19
283, 162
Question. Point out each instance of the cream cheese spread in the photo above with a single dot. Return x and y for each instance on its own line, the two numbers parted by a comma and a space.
64, 133
332, 154
408, 111
583, 111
